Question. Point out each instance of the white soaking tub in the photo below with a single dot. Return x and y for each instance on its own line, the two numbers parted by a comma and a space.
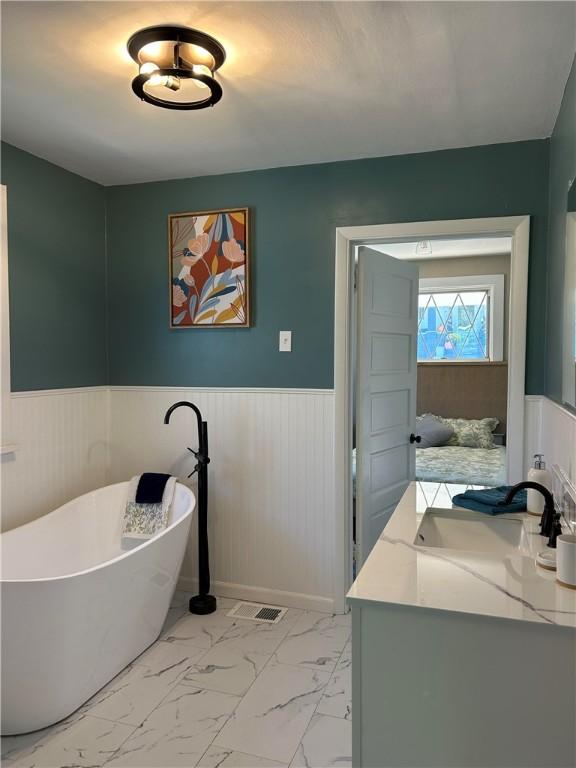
76, 608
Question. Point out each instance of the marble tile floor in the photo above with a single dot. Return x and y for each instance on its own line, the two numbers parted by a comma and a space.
214, 692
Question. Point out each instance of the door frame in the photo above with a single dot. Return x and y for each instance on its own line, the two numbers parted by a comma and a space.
347, 238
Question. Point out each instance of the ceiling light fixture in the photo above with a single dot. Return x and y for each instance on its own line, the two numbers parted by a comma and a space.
180, 60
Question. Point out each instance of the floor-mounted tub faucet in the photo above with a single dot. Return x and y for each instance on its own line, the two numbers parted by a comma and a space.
204, 602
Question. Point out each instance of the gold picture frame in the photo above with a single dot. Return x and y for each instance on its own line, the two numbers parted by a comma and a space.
209, 268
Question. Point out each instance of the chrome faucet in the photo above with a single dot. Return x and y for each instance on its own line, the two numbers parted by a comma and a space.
550, 521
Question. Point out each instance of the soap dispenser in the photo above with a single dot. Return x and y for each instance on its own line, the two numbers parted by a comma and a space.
538, 474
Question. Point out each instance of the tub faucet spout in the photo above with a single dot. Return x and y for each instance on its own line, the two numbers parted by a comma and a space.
202, 453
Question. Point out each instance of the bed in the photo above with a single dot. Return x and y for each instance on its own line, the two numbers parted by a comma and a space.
455, 464
463, 390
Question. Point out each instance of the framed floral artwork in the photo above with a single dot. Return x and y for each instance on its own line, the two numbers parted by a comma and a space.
209, 269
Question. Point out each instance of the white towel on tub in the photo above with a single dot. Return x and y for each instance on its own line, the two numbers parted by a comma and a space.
143, 521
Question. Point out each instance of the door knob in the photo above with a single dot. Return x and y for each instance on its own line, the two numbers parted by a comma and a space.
415, 438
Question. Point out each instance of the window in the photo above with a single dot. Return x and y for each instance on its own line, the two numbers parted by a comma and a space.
461, 319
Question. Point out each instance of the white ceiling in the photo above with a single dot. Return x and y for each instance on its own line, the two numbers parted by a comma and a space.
304, 82
448, 249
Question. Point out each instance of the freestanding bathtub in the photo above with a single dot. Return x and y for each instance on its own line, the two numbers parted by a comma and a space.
76, 608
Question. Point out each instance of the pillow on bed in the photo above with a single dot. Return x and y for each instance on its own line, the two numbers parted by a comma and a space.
472, 433
432, 431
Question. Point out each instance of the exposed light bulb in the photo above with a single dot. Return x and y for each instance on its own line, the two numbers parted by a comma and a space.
167, 81
148, 67
155, 79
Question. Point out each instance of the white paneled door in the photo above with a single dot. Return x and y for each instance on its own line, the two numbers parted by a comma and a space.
386, 390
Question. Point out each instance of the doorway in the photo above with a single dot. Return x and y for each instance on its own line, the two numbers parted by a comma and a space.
457, 334
383, 237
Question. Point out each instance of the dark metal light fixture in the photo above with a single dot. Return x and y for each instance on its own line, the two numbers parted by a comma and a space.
176, 61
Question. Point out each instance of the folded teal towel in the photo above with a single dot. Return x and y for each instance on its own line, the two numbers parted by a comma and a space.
490, 501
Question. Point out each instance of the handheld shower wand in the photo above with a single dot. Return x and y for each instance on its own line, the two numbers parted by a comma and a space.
203, 602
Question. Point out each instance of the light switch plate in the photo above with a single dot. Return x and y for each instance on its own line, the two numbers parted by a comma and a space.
285, 344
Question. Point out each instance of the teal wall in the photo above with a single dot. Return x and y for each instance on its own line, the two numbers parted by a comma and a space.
56, 245
295, 213
562, 171
68, 282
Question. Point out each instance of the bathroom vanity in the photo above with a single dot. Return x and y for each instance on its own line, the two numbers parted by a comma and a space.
464, 650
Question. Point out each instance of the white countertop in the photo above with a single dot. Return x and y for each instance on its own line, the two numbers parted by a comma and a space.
512, 587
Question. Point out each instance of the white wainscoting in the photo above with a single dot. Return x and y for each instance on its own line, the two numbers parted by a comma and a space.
60, 451
551, 430
272, 512
271, 482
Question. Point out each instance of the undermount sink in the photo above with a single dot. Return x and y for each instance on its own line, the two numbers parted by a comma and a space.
471, 531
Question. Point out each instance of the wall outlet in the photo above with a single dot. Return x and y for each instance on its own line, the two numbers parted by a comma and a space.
285, 344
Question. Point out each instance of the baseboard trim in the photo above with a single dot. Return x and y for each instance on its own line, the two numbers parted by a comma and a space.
263, 595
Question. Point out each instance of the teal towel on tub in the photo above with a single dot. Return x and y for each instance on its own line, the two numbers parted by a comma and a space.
490, 500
